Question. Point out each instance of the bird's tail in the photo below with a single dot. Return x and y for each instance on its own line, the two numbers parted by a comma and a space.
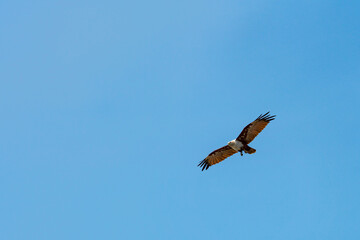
249, 150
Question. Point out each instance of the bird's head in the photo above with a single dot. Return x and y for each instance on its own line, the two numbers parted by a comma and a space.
231, 143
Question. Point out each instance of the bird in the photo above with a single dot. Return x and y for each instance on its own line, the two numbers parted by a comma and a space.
240, 144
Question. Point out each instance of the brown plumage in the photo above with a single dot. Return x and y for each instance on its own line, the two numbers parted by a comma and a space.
253, 129
217, 156
240, 144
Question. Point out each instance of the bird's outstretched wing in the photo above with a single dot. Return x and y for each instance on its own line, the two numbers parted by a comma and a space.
253, 129
216, 156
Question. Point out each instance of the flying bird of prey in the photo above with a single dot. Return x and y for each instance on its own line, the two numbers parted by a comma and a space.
239, 144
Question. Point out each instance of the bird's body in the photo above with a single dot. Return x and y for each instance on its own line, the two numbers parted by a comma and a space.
239, 144
236, 145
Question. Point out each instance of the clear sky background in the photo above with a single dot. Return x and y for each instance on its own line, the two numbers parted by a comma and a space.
108, 106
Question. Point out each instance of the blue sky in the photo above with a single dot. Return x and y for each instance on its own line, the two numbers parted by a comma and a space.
107, 108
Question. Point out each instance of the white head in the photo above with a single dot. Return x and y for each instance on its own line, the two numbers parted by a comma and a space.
236, 145
231, 143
